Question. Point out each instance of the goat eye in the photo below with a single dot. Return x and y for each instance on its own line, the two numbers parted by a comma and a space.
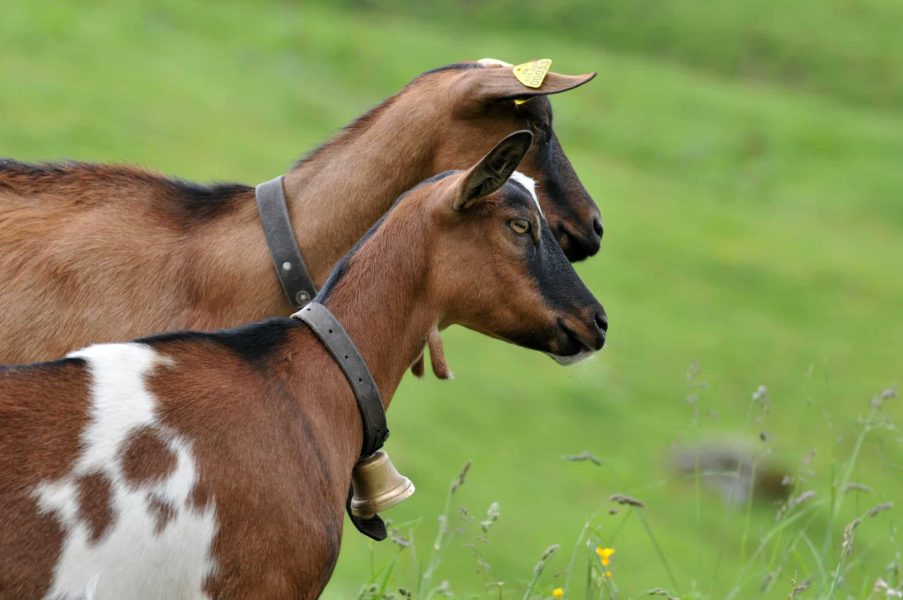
519, 226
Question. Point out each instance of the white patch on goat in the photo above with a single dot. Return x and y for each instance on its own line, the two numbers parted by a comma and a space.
131, 559
494, 62
529, 183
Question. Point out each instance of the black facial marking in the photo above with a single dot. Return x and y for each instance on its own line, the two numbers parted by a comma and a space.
553, 273
537, 116
550, 160
535, 339
252, 343
556, 279
555, 167
560, 289
558, 183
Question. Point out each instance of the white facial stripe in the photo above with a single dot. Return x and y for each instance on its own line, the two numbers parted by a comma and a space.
494, 62
529, 183
134, 557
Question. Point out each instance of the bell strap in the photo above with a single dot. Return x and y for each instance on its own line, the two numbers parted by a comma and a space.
296, 282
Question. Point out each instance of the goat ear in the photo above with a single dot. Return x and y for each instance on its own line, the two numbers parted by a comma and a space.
499, 83
493, 170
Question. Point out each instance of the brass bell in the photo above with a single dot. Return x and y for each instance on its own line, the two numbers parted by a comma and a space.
378, 486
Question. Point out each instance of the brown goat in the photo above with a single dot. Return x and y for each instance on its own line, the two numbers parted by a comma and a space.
217, 464
98, 253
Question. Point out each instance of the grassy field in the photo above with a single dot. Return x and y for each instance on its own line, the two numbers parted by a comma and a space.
747, 161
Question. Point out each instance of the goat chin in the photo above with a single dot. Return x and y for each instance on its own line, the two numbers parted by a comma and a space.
572, 359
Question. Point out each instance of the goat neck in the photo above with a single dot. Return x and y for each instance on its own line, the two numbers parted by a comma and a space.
331, 192
387, 312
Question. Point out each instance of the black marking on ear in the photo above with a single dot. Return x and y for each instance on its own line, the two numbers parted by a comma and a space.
253, 343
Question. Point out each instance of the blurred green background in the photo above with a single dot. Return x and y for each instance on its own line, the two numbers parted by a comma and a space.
748, 160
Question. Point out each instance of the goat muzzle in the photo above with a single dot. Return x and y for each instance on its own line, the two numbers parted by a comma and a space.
377, 486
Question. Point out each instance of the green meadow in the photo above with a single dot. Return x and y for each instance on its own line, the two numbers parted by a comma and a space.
748, 160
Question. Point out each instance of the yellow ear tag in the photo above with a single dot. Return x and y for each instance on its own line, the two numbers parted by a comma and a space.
532, 74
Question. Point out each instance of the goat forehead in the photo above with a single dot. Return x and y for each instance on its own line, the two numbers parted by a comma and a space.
151, 527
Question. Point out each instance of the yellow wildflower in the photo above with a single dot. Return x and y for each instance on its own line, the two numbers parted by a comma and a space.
558, 593
605, 555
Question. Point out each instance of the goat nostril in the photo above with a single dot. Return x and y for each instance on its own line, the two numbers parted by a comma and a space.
602, 322
597, 226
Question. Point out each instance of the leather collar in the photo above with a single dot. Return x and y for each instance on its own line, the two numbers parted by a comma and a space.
333, 336
277, 228
369, 403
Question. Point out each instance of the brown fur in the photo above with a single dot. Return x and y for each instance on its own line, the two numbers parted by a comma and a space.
146, 458
94, 495
275, 433
43, 412
97, 253
269, 456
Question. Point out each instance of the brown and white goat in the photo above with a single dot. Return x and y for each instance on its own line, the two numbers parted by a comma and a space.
193, 465
99, 253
